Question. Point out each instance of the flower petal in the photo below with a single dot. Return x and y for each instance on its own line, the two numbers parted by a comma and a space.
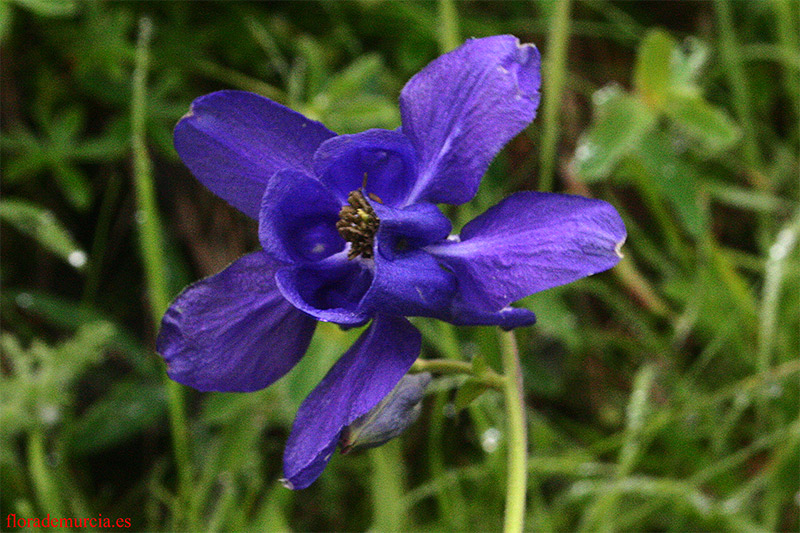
462, 108
361, 378
233, 331
530, 242
506, 318
234, 141
330, 290
385, 157
298, 218
409, 228
409, 284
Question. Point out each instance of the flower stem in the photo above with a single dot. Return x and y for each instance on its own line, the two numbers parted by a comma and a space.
555, 73
448, 366
449, 38
517, 435
152, 249
44, 485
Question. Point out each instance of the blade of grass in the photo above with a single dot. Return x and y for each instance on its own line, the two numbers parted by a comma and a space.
737, 80
100, 241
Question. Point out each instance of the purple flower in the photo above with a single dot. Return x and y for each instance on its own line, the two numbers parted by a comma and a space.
351, 234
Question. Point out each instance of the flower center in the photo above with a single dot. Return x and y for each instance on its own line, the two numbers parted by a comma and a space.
357, 225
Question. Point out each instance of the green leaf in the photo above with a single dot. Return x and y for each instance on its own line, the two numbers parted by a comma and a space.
360, 113
6, 18
470, 391
711, 127
74, 185
50, 8
675, 179
479, 364
43, 226
653, 73
689, 61
38, 382
130, 408
69, 315
355, 78
621, 121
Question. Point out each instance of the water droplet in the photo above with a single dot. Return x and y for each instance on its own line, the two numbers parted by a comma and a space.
701, 503
774, 390
490, 440
77, 258
730, 506
585, 151
603, 95
49, 414
139, 217
24, 300
581, 488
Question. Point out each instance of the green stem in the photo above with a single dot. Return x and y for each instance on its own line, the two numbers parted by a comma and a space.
448, 366
449, 38
554, 74
44, 485
517, 435
387, 487
152, 248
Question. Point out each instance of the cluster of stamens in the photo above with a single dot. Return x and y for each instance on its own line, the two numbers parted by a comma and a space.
357, 225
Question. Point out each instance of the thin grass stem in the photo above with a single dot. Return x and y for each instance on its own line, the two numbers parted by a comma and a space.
152, 250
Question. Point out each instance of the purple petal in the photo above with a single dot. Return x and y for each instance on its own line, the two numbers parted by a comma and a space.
234, 141
330, 290
530, 242
409, 228
409, 284
409, 281
233, 331
361, 378
506, 318
298, 218
462, 108
386, 158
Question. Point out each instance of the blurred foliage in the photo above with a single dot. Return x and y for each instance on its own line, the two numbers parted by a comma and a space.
661, 395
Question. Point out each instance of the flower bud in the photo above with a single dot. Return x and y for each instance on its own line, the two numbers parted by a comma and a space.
398, 410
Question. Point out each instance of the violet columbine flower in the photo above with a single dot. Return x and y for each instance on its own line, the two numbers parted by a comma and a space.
351, 234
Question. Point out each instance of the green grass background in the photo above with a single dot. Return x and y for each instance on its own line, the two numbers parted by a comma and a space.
661, 395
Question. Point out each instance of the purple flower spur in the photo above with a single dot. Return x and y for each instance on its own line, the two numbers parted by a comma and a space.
351, 233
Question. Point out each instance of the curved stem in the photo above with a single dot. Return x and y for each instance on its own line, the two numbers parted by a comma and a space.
517, 435
488, 377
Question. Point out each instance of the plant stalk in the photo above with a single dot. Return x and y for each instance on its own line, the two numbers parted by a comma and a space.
517, 435
152, 249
